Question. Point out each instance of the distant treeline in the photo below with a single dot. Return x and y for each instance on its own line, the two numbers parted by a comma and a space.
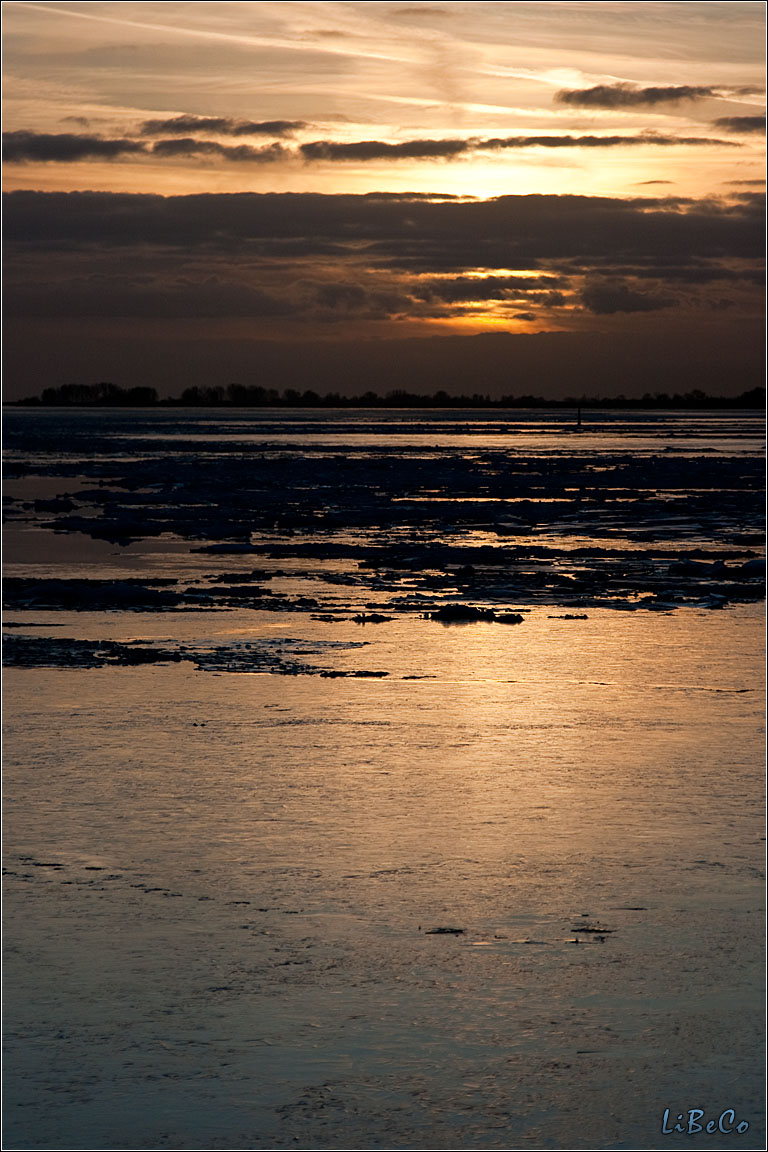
252, 396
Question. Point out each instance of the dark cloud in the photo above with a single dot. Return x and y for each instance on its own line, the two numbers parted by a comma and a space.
690, 274
523, 232
625, 95
741, 123
605, 297
22, 147
553, 299
524, 316
419, 13
334, 300
753, 200
224, 126
164, 297
641, 182
379, 150
366, 150
348, 297
236, 153
160, 287
405, 196
455, 289
654, 138
293, 260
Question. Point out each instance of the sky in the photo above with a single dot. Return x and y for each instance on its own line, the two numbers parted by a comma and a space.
508, 198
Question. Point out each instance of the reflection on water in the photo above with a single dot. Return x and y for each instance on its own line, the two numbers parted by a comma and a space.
298, 833
223, 885
531, 431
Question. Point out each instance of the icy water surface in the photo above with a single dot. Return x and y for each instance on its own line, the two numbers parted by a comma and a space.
382, 781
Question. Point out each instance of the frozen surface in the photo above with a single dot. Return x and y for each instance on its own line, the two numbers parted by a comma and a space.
227, 857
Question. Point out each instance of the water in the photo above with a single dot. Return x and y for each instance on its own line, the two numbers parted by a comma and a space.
227, 862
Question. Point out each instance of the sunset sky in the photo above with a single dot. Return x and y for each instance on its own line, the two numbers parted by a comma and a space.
493, 197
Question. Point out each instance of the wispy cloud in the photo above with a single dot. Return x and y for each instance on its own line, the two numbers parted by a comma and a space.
331, 47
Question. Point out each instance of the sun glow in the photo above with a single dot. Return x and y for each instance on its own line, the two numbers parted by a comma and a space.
479, 323
258, 176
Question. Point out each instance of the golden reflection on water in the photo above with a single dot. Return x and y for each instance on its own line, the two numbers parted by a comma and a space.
235, 874
250, 865
610, 722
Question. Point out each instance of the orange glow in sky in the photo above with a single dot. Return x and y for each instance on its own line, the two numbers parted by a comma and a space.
611, 153
391, 73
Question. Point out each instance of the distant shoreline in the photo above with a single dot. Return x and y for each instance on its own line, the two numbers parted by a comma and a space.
242, 396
